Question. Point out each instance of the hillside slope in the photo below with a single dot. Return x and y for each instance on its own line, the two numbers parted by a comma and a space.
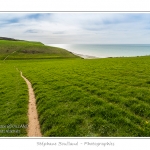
17, 49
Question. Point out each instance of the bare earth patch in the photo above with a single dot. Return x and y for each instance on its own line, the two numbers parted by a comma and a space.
33, 126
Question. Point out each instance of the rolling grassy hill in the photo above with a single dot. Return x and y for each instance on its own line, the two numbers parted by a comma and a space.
16, 49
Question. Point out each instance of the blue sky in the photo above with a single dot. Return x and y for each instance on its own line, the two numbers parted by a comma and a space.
77, 28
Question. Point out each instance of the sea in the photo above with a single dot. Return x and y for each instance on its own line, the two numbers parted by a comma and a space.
107, 50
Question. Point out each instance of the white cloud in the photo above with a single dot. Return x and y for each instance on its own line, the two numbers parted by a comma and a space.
71, 28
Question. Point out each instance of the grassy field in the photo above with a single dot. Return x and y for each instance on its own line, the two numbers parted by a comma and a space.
75, 97
30, 50
101, 97
13, 102
13, 89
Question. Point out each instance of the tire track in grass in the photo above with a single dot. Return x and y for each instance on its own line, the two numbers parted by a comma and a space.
33, 126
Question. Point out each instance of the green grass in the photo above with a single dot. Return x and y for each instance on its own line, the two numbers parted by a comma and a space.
30, 50
75, 97
13, 102
102, 97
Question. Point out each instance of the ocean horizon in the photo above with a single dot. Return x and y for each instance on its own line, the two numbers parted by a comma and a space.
107, 50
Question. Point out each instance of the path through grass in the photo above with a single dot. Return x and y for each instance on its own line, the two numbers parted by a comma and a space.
33, 125
105, 97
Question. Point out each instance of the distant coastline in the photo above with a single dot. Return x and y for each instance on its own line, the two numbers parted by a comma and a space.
85, 56
77, 54
93, 51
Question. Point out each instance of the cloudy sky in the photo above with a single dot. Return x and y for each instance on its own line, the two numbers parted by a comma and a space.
77, 28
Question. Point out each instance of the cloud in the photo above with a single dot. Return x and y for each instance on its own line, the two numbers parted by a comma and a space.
75, 28
32, 31
59, 32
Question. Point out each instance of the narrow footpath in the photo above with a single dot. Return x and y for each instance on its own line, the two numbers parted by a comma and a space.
33, 126
8, 56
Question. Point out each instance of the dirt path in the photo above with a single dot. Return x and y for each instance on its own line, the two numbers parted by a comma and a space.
33, 126
8, 56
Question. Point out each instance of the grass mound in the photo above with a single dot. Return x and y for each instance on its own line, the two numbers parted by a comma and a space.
15, 49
